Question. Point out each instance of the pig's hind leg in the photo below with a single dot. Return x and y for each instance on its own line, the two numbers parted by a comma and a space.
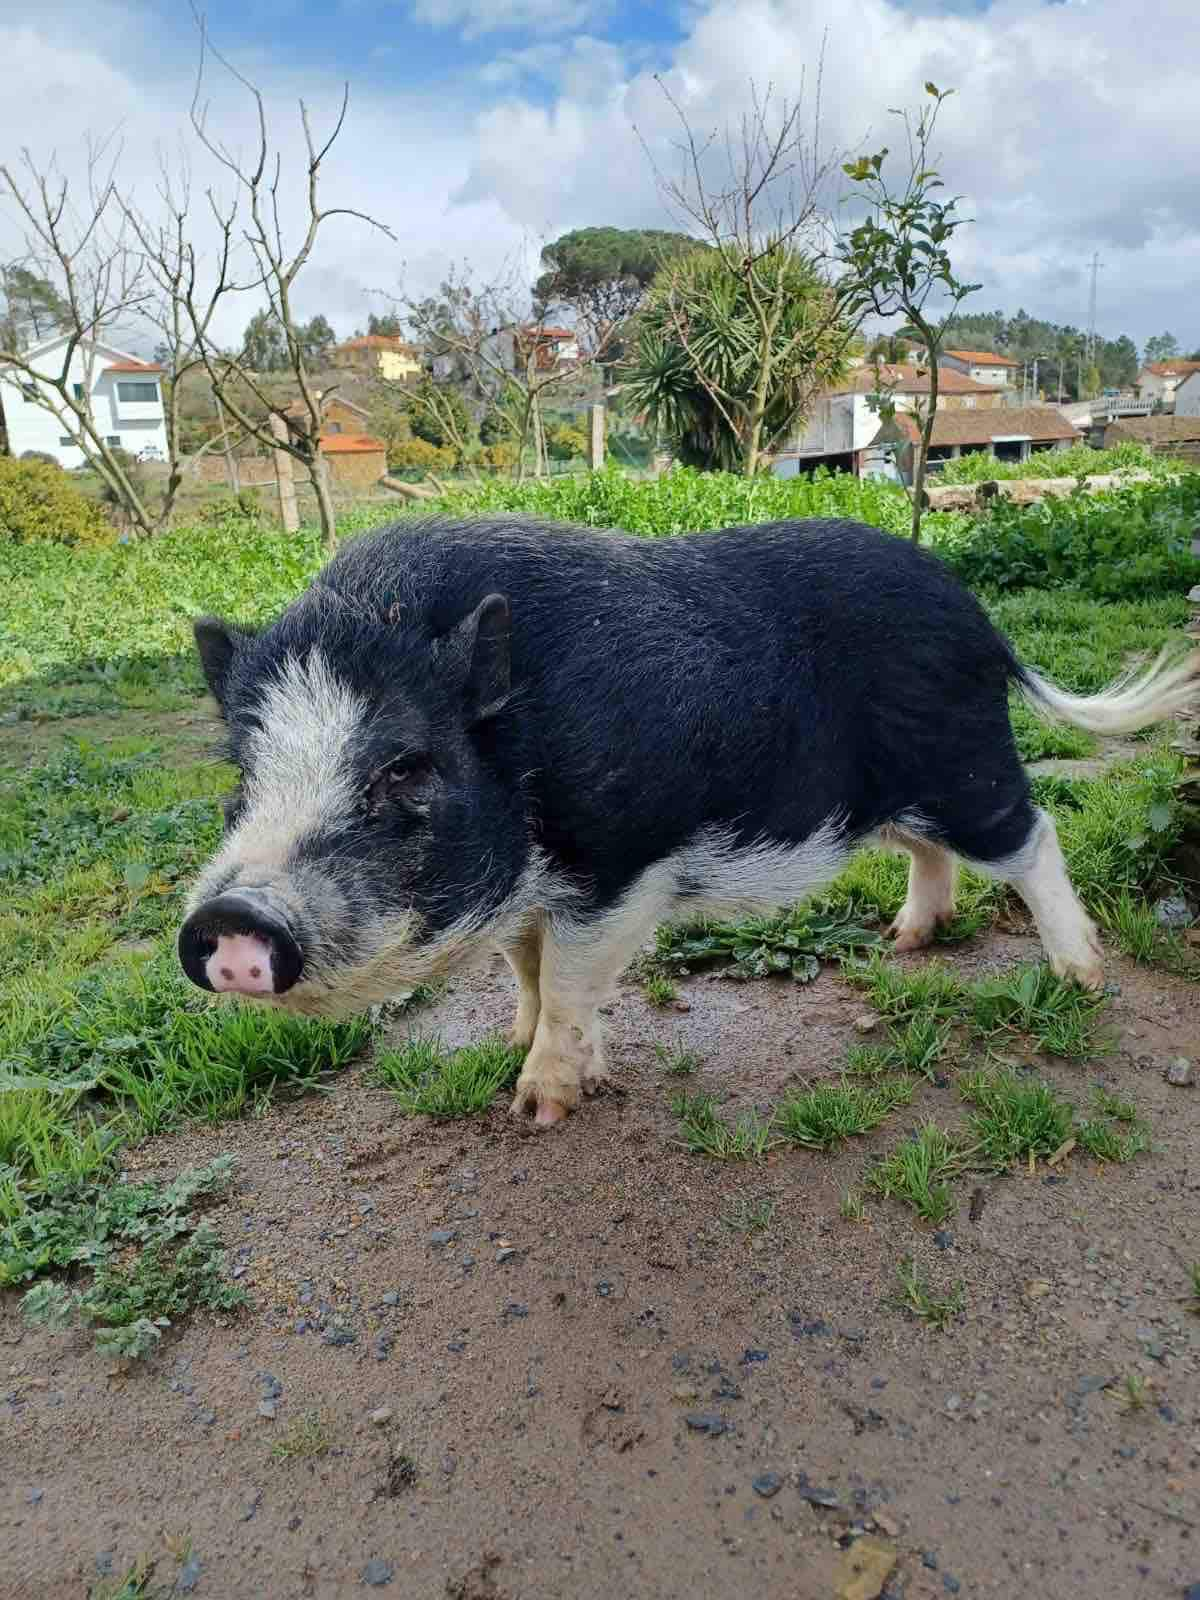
929, 903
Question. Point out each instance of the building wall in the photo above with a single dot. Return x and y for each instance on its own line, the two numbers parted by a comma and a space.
1187, 397
358, 469
996, 377
138, 427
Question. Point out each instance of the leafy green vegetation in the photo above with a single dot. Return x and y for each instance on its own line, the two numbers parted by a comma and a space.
832, 1113
1080, 461
150, 1260
919, 1171
791, 942
1130, 542
703, 1131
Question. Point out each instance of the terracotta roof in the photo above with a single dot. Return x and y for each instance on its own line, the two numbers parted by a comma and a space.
379, 341
906, 378
132, 366
983, 358
1172, 369
548, 332
1041, 424
344, 444
1156, 430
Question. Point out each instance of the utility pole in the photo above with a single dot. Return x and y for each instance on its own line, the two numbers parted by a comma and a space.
1091, 338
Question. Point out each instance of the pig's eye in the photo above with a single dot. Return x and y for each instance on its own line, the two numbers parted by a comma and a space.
406, 784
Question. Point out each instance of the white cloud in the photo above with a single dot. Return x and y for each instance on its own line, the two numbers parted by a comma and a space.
1073, 128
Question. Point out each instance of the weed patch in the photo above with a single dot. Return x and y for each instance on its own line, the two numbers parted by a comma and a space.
151, 1259
916, 1296
792, 943
832, 1113
918, 1172
703, 1131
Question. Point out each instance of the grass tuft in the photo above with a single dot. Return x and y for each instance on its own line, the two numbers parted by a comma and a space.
430, 1081
306, 1439
916, 1296
1015, 1117
832, 1113
705, 1132
918, 1172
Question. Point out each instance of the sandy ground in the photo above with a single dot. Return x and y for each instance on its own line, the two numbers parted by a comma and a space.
548, 1365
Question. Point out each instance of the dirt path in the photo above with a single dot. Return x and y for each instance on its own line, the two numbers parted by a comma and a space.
556, 1365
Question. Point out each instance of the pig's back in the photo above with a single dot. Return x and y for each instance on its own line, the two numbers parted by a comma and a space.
760, 679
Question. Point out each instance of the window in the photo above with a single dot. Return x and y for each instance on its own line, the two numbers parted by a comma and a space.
969, 402
65, 438
78, 388
138, 393
113, 439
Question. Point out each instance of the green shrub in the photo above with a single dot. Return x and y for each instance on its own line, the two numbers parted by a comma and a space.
418, 455
1128, 544
39, 504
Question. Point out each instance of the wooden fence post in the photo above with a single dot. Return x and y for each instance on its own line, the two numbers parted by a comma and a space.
596, 439
288, 514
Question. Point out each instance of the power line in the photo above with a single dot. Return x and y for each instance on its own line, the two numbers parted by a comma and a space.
1091, 338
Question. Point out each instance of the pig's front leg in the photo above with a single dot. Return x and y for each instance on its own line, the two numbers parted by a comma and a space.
579, 969
524, 956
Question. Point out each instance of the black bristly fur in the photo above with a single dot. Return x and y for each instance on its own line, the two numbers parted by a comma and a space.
633, 692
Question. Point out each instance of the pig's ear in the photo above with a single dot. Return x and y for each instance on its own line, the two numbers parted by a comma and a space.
218, 643
482, 644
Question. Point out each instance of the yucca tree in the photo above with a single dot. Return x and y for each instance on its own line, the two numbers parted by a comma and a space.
726, 363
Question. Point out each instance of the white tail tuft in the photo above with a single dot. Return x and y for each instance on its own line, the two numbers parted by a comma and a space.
1135, 700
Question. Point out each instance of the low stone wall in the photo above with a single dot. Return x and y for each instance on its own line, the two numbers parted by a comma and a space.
1024, 491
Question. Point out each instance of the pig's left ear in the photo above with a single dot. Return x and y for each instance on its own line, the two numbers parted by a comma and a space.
481, 643
217, 643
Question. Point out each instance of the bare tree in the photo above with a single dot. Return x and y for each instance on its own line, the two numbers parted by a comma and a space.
277, 265
486, 337
78, 240
754, 194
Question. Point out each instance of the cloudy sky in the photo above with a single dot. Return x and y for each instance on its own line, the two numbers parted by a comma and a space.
478, 127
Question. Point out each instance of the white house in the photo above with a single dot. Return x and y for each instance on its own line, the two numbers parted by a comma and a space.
984, 366
1160, 380
124, 394
1187, 393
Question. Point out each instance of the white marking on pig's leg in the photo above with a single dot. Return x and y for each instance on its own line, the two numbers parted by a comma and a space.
929, 904
581, 963
524, 955
1039, 875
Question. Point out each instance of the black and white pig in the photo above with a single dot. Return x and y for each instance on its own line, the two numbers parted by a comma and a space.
552, 739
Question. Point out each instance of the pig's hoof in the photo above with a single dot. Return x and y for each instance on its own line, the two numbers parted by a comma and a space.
912, 935
545, 1100
1084, 965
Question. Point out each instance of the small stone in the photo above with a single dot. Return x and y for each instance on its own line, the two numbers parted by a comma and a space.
951, 1585
706, 1422
377, 1573
248, 1514
104, 1563
188, 1575
866, 1022
1037, 1289
885, 1524
266, 1408
35, 1496
207, 1418
767, 1484
604, 1289
753, 1357
929, 1560
440, 1237
863, 1570
391, 1298
1126, 1452
953, 1402
507, 1254
1179, 1073
339, 1336
685, 1392
381, 1415
1172, 911
449, 1465
514, 1309
818, 1497
943, 1239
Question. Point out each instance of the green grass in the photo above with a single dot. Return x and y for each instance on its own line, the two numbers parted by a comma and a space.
1192, 1298
703, 1131
1062, 1018
750, 1216
1107, 1145
677, 1063
307, 1439
1015, 1117
930, 991
918, 1172
430, 1081
917, 1297
832, 1113
659, 990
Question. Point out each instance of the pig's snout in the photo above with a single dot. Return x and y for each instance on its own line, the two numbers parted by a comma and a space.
237, 944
